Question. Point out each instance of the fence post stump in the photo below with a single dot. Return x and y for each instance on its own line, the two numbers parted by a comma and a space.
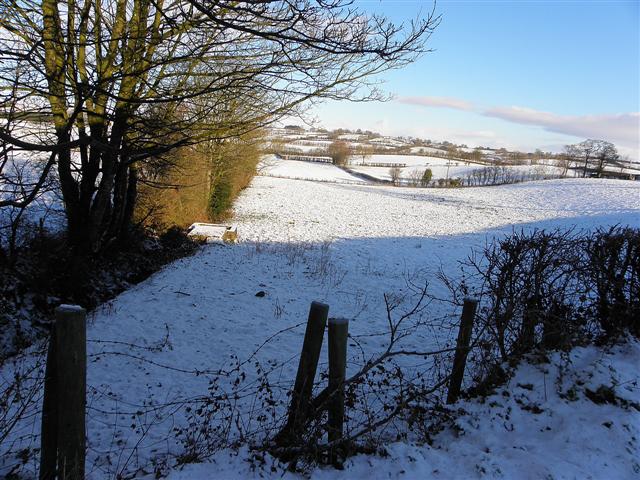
462, 349
71, 369
338, 333
49, 421
302, 390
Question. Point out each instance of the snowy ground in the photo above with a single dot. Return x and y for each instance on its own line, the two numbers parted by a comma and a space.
295, 169
440, 168
287, 210
427, 150
543, 425
301, 148
24, 168
161, 342
409, 160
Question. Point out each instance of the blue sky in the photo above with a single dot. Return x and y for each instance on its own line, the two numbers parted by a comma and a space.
518, 74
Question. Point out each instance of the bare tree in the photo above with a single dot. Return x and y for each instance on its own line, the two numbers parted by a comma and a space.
24, 179
607, 154
414, 177
593, 154
586, 151
122, 82
365, 151
395, 173
567, 159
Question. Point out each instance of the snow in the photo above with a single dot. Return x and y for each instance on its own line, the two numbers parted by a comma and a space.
316, 212
213, 232
345, 244
409, 160
295, 169
314, 142
64, 308
427, 150
303, 148
388, 141
46, 208
352, 136
440, 167
622, 170
501, 437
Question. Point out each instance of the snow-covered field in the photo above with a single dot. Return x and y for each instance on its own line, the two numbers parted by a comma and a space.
440, 168
427, 150
19, 172
287, 210
295, 169
454, 170
409, 160
161, 342
301, 148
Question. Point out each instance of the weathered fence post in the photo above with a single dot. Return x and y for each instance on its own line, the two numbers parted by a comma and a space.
71, 381
338, 333
49, 422
462, 349
307, 367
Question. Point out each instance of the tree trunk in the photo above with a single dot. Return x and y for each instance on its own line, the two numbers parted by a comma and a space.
129, 208
102, 203
77, 216
125, 193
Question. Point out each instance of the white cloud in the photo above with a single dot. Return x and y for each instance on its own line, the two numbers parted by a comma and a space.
438, 102
471, 138
623, 128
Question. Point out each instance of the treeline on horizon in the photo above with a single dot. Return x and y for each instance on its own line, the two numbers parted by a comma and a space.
588, 155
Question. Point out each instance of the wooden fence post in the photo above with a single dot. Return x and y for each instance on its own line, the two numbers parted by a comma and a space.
462, 349
338, 333
71, 381
307, 367
49, 422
